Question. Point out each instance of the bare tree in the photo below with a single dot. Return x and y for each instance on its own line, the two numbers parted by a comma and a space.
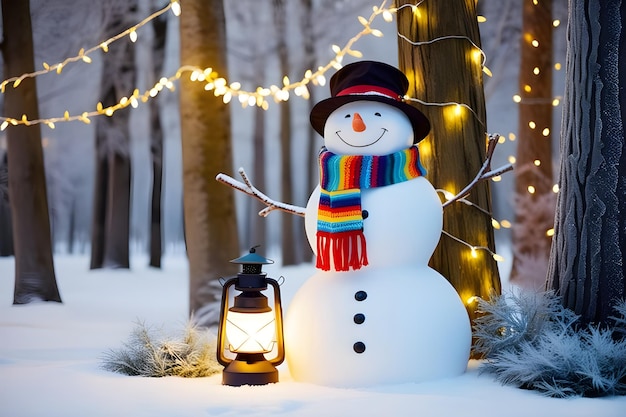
587, 258
210, 223
34, 268
443, 71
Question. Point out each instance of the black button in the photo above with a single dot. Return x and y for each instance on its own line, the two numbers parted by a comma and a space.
359, 318
365, 214
359, 347
360, 295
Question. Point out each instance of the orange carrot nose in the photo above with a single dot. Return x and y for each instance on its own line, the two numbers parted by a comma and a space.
357, 123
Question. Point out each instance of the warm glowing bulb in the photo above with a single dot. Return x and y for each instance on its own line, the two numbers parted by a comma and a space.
512, 136
495, 224
472, 299
532, 124
175, 8
481, 19
133, 35
537, 162
556, 23
531, 189
556, 102
512, 159
535, 43
497, 178
536, 71
517, 98
498, 258
474, 252
545, 132
550, 232
555, 188
505, 223
557, 66
528, 88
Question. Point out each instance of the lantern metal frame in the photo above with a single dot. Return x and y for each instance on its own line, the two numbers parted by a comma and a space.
250, 368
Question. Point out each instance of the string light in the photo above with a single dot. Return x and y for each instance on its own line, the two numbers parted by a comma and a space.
220, 87
83, 55
474, 249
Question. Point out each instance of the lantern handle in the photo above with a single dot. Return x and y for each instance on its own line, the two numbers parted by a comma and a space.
221, 333
278, 313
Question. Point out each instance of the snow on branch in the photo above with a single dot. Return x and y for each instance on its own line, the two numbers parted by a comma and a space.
251, 190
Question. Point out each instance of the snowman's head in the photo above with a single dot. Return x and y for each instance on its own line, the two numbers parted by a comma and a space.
372, 82
367, 128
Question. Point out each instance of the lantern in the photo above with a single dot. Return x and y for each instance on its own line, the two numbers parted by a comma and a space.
250, 328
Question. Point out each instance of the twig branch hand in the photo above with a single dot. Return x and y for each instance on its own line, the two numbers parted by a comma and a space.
484, 173
251, 190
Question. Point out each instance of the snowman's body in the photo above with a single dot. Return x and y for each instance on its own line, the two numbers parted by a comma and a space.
395, 320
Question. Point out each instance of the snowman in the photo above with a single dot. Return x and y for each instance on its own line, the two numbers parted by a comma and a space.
374, 312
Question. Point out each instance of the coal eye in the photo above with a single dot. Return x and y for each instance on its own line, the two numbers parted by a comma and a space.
377, 114
347, 116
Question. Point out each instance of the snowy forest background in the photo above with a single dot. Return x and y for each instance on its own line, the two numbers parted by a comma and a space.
61, 28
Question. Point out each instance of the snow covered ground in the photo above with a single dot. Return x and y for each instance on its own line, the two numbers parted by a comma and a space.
50, 361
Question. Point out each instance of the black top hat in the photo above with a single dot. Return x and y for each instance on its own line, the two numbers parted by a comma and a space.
369, 81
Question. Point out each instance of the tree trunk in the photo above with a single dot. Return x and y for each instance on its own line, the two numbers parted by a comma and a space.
156, 146
448, 71
209, 207
113, 176
34, 267
258, 229
6, 234
589, 246
534, 207
288, 240
313, 140
99, 205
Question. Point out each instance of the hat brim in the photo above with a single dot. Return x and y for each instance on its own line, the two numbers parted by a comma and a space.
323, 109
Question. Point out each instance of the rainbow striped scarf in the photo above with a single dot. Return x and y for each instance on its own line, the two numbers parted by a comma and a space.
339, 216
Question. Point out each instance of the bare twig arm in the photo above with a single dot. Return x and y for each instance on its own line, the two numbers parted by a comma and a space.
484, 173
251, 190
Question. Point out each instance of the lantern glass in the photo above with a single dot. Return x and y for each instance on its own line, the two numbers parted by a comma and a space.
251, 332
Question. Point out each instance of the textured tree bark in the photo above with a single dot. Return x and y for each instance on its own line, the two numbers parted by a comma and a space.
34, 267
448, 70
209, 207
589, 245
534, 211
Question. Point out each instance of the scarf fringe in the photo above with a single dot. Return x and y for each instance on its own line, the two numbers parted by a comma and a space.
348, 250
